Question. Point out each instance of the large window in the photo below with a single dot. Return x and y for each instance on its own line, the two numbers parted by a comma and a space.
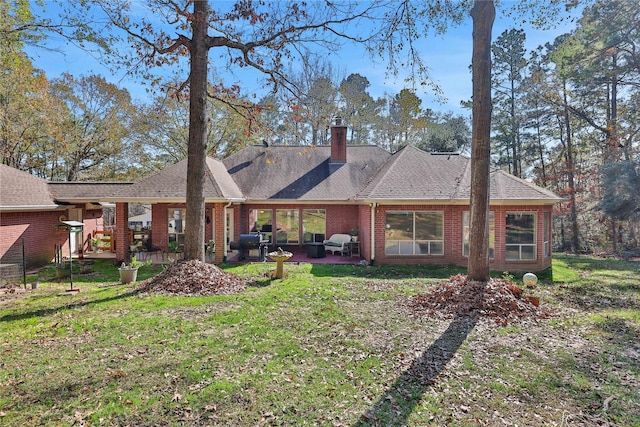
466, 232
177, 220
260, 220
520, 236
414, 233
314, 225
288, 223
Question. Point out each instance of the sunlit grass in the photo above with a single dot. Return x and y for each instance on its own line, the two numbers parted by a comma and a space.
324, 346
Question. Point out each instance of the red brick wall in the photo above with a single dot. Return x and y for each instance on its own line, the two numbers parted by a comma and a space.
453, 238
122, 232
92, 220
215, 212
36, 229
342, 218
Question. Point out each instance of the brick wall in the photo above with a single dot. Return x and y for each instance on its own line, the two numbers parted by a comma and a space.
342, 218
453, 238
36, 229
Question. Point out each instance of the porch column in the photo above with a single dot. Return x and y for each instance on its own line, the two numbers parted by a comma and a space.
122, 232
219, 232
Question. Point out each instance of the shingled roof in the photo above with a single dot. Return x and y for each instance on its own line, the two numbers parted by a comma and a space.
415, 175
303, 173
86, 191
20, 191
169, 185
412, 174
288, 173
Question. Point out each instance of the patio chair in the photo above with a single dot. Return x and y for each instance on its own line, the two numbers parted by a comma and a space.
149, 249
336, 243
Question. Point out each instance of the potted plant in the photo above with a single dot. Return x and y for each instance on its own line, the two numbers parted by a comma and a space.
174, 248
211, 249
129, 272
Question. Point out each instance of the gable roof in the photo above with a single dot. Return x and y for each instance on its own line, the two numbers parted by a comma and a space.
415, 175
20, 191
303, 173
288, 173
169, 185
505, 187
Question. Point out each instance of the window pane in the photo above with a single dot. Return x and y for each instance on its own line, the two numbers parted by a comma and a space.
429, 225
437, 248
176, 224
399, 226
520, 228
314, 225
528, 252
288, 225
391, 247
512, 252
406, 248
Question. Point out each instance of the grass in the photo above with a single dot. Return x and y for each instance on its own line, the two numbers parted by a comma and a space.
328, 345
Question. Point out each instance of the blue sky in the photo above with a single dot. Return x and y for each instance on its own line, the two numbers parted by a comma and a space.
448, 57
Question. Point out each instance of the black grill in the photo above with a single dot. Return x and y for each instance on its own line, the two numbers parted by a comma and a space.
248, 242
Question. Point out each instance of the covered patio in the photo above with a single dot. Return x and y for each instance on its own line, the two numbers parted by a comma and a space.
300, 255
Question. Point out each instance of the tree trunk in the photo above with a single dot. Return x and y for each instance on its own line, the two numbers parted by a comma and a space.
570, 166
483, 14
196, 157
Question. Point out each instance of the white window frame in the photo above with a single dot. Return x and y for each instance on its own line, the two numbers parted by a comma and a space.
520, 246
395, 247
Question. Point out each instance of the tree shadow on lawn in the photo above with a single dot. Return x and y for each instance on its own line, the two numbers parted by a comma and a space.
76, 304
396, 405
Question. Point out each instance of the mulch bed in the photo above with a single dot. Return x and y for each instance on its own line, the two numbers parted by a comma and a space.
498, 300
195, 278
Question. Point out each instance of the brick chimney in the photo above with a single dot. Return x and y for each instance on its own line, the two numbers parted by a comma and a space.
338, 141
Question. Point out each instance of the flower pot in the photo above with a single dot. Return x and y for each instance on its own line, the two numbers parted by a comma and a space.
128, 275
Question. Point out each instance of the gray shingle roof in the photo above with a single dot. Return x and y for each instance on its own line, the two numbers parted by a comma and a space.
506, 187
287, 173
412, 174
170, 184
86, 191
21, 190
303, 173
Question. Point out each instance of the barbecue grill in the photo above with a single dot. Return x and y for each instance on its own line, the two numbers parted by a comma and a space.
247, 242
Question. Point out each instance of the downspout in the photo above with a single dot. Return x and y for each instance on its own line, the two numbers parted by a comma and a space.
224, 234
373, 233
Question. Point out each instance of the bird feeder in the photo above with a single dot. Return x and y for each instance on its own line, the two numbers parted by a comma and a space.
72, 228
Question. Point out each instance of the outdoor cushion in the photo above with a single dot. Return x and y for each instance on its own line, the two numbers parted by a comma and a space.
336, 243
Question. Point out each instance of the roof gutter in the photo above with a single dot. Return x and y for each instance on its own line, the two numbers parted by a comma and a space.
31, 208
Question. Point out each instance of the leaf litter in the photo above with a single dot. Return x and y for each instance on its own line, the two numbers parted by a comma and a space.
193, 278
498, 299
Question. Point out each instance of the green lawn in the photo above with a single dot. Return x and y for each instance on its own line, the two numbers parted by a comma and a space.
328, 346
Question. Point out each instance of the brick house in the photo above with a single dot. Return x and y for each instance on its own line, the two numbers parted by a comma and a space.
410, 207
30, 213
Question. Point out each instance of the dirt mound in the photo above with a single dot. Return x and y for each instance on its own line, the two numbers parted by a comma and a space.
499, 300
193, 278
